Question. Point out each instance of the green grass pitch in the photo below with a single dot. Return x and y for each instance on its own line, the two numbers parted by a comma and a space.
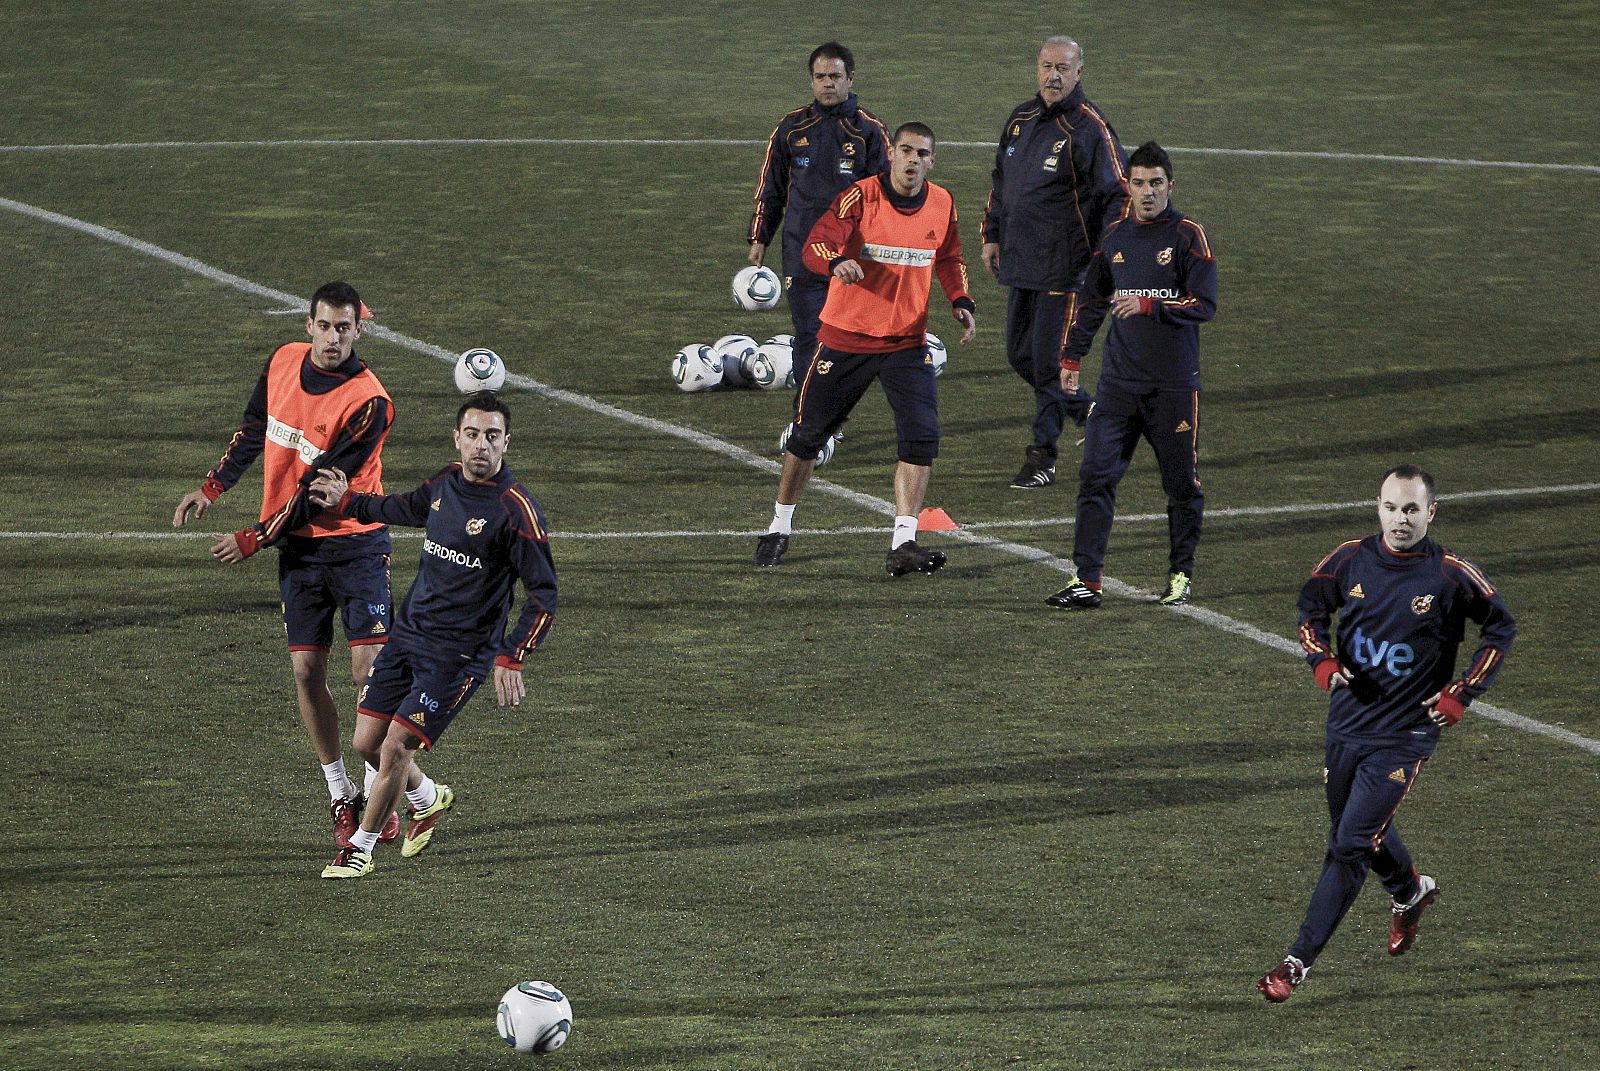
811, 817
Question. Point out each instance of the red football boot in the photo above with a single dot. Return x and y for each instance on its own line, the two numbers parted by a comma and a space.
1406, 917
1278, 983
346, 820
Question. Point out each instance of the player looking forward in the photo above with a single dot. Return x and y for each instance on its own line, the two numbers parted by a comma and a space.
484, 532
316, 404
1403, 603
813, 154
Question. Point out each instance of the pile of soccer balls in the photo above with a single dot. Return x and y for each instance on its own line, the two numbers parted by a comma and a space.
736, 361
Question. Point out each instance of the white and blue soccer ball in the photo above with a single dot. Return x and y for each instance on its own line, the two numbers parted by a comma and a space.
937, 354
781, 340
756, 288
772, 368
824, 455
737, 353
534, 1017
697, 368
480, 370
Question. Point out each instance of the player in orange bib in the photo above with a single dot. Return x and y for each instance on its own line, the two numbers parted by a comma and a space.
881, 244
316, 405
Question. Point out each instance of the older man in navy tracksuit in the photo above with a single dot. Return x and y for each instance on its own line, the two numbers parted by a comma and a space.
1059, 181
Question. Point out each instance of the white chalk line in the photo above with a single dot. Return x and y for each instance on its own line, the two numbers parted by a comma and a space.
381, 143
1237, 513
713, 444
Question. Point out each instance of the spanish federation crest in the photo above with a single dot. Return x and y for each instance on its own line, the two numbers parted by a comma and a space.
1422, 604
1164, 257
475, 525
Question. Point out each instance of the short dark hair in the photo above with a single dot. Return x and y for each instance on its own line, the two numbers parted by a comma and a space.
1409, 471
832, 50
485, 401
336, 295
1151, 155
919, 129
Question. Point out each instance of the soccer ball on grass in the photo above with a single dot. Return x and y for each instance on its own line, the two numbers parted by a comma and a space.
697, 368
534, 1017
736, 352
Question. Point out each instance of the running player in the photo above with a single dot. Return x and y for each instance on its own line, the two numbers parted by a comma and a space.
484, 532
1403, 603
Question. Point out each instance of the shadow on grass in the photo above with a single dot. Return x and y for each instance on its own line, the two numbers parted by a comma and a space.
1026, 791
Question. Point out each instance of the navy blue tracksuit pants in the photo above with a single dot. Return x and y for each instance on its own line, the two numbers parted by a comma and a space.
807, 294
1169, 420
1366, 783
1034, 322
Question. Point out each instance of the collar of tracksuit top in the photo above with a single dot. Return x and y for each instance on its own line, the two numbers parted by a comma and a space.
1068, 103
845, 109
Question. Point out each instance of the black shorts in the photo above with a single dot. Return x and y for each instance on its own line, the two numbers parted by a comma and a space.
348, 574
422, 692
836, 381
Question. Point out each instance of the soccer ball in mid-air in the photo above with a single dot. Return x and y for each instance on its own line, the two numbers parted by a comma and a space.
479, 370
534, 1017
756, 288
773, 366
737, 352
696, 368
937, 354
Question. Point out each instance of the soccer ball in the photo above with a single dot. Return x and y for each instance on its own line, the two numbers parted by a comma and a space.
756, 288
736, 351
534, 1017
696, 368
824, 455
781, 340
773, 367
937, 354
478, 370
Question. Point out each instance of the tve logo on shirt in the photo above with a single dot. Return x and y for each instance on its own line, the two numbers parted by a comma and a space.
1397, 658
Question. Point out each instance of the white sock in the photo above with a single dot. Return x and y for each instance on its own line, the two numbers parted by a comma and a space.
423, 796
905, 531
340, 787
782, 519
363, 841
372, 775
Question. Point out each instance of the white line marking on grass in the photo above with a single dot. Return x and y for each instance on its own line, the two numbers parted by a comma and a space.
738, 453
1307, 507
378, 143
854, 530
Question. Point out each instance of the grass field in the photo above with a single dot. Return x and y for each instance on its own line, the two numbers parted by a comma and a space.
808, 817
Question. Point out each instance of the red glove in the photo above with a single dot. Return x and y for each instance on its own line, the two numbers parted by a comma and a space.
1449, 708
1324, 672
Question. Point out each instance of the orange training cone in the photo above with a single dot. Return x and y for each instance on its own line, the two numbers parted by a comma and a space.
935, 520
